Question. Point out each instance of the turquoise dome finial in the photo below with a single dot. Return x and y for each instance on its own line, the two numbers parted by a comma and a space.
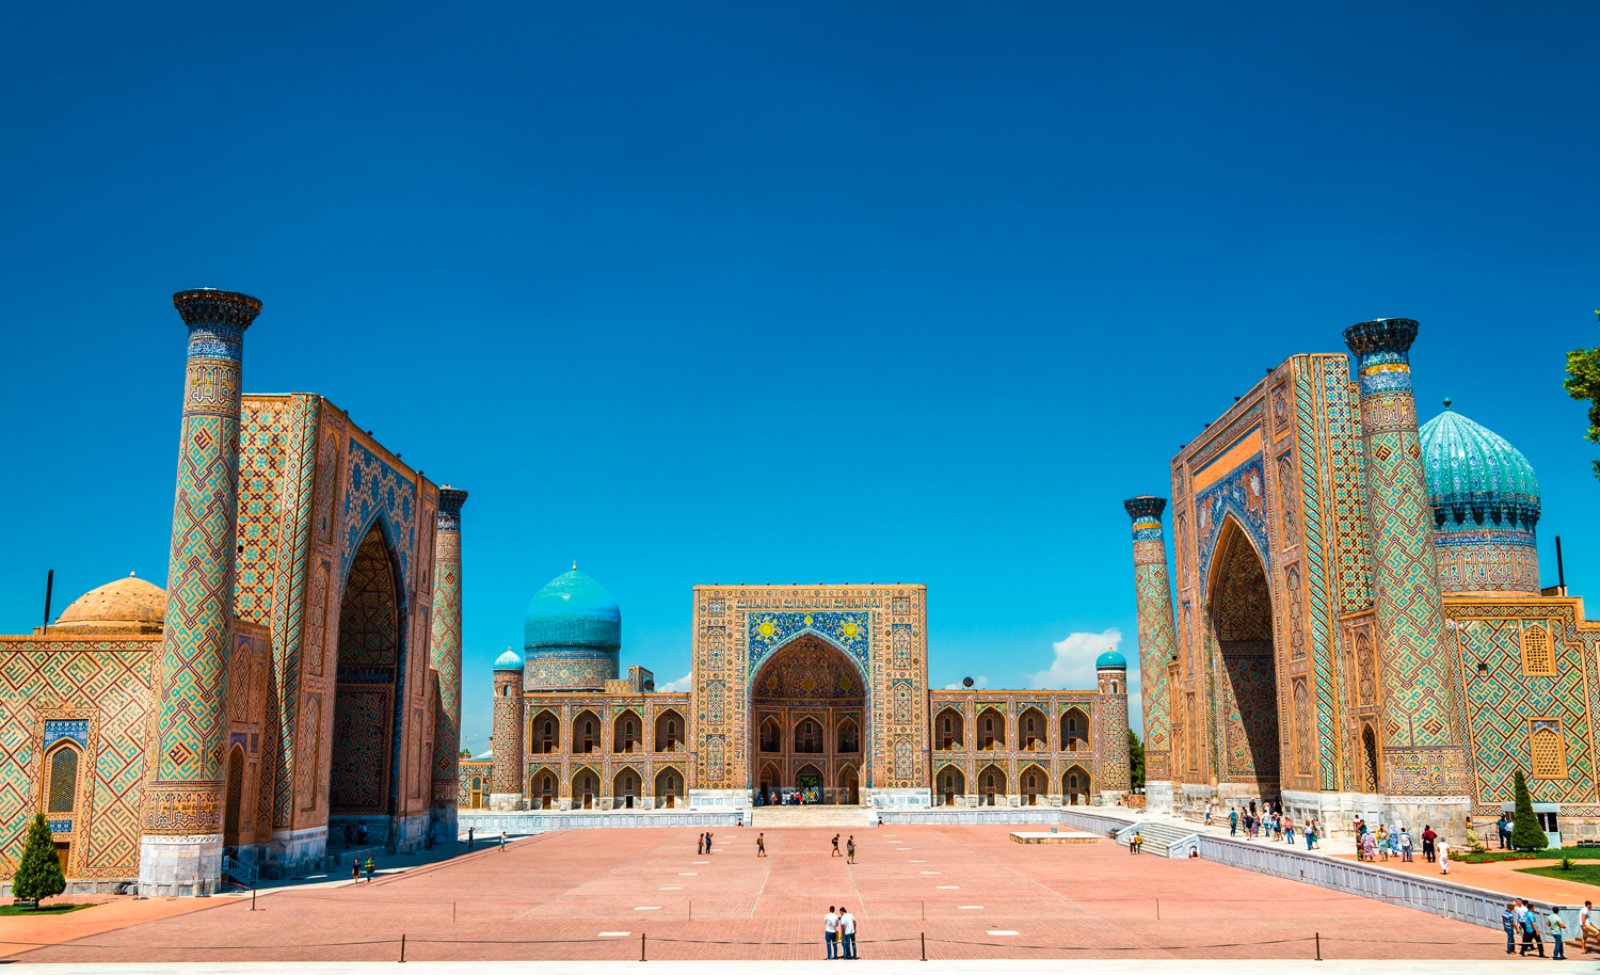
1111, 660
510, 660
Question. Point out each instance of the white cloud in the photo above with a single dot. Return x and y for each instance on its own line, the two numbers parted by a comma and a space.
979, 681
681, 684
1073, 666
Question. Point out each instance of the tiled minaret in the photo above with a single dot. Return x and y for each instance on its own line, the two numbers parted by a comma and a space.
1424, 760
181, 848
444, 655
1111, 674
505, 773
1157, 644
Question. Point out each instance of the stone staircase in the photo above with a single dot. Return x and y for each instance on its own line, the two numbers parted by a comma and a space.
811, 817
1162, 839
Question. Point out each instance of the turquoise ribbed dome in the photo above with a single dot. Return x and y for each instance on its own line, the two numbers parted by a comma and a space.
572, 610
510, 660
1476, 479
1111, 660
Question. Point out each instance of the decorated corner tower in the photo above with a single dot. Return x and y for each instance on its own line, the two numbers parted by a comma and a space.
180, 850
505, 776
1424, 773
1157, 644
1111, 716
444, 647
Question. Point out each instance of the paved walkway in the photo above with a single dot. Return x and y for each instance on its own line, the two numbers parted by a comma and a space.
1499, 878
1092, 966
969, 891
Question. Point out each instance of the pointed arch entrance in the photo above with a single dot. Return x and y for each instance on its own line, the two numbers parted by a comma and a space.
363, 779
1243, 658
807, 715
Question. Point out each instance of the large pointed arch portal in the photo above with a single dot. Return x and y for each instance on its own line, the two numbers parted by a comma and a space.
363, 782
1245, 749
807, 711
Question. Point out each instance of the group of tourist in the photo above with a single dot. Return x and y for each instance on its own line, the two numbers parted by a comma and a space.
1519, 917
702, 845
1271, 822
1378, 845
850, 847
839, 933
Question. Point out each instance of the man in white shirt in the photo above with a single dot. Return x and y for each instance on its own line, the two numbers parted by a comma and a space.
830, 933
847, 933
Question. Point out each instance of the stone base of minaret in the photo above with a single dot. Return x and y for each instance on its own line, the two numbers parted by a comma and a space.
180, 866
1447, 815
442, 823
505, 801
1158, 797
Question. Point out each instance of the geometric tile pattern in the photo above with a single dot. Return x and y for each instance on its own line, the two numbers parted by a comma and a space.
738, 627
444, 644
1157, 636
104, 686
1422, 749
185, 797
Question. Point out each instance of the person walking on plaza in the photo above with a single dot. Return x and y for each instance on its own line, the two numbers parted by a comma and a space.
1208, 814
835, 845
830, 933
470, 831
1443, 852
355, 870
1508, 921
1133, 844
1586, 928
1233, 822
1428, 838
371, 867
1405, 846
1502, 828
1530, 928
847, 932
761, 844
850, 849
708, 842
1558, 931
502, 841
1369, 847
1288, 830
700, 845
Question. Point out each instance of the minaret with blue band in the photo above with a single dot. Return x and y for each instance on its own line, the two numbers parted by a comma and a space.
1157, 644
444, 652
1424, 766
181, 846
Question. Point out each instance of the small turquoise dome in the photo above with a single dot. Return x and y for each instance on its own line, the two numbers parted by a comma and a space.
1476, 479
572, 610
510, 660
1111, 660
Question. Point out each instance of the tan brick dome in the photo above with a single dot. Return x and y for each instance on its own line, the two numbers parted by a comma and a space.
129, 605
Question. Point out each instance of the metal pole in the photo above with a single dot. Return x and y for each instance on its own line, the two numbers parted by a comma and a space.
50, 584
1561, 571
1158, 908
402, 949
252, 898
641, 946
924, 938
1318, 936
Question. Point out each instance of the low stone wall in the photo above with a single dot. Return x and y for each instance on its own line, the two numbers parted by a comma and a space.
997, 815
1434, 895
491, 824
1094, 821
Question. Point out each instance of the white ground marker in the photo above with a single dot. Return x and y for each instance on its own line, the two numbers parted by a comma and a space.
970, 907
1002, 934
949, 887
930, 873
615, 934
648, 908
690, 873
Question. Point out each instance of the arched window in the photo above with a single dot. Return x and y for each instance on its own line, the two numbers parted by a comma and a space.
62, 794
1549, 754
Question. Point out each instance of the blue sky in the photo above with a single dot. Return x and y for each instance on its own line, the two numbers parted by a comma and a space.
771, 293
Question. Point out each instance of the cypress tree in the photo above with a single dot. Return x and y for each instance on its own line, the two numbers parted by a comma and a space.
39, 874
1526, 833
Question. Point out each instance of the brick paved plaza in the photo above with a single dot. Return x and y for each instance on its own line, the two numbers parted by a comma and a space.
590, 894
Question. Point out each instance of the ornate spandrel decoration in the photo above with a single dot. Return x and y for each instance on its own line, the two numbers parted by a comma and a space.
846, 630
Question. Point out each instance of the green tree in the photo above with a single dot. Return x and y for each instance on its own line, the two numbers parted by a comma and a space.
1135, 761
39, 874
1583, 383
1526, 833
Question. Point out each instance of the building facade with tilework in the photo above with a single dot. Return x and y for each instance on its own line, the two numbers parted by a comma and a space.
290, 685
1353, 624
797, 693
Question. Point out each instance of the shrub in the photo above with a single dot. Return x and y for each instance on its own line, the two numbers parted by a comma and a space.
1526, 833
39, 874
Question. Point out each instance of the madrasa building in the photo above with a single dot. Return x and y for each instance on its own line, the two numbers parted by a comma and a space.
295, 687
814, 694
1355, 624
